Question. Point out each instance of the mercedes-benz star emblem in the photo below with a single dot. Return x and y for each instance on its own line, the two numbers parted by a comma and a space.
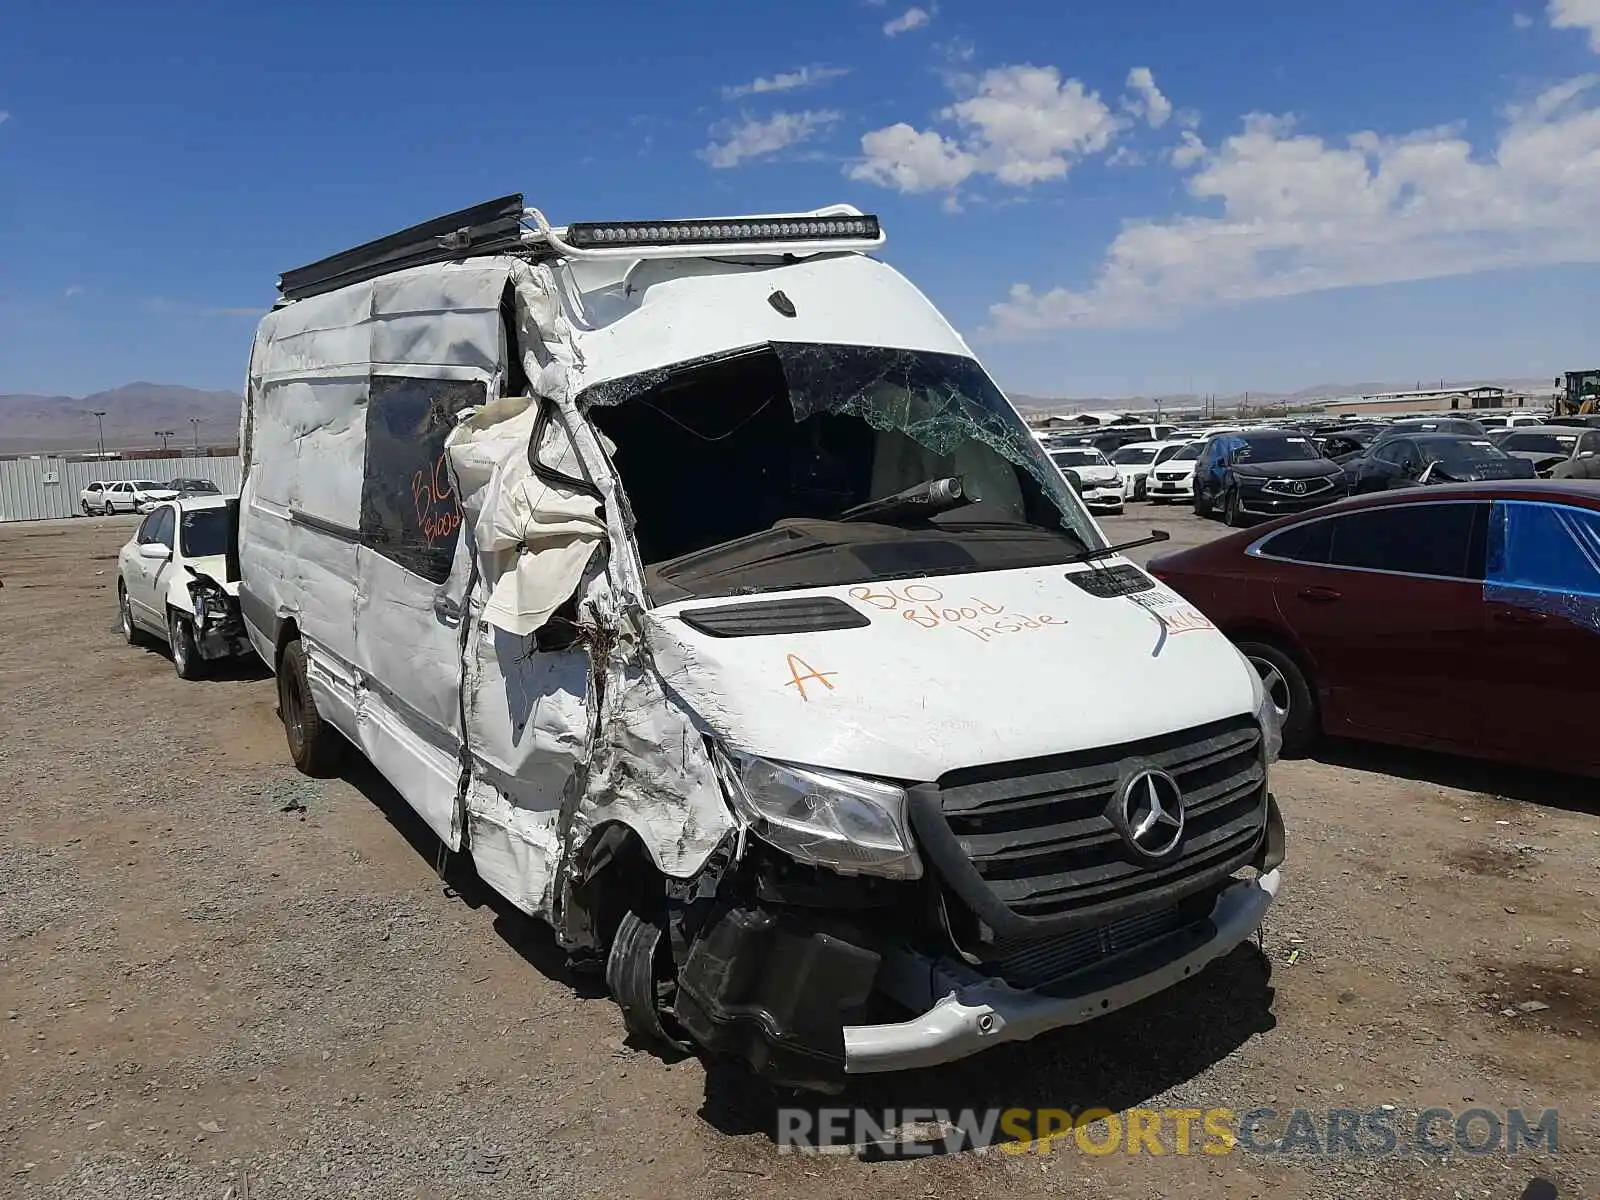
1152, 814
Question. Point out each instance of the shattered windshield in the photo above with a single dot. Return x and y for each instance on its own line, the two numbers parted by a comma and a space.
204, 532
1270, 448
740, 470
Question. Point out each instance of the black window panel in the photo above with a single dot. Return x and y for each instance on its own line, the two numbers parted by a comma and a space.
1306, 543
1419, 539
409, 510
162, 530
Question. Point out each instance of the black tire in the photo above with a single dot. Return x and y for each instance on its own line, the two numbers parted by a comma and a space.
1291, 692
315, 746
186, 660
1231, 516
84, 504
638, 971
1202, 504
131, 633
1139, 488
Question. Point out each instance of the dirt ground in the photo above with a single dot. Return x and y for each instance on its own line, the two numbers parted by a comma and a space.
220, 979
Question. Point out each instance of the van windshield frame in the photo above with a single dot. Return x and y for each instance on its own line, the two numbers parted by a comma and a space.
946, 409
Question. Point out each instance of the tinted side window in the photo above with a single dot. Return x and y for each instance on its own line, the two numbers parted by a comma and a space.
161, 531
409, 512
1550, 547
147, 528
1419, 539
1306, 543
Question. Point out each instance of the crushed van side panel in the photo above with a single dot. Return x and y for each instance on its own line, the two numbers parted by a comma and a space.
565, 740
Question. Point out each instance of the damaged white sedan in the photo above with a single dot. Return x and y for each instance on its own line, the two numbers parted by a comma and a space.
695, 581
174, 582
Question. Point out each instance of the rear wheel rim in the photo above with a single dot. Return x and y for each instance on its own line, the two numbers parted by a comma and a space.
1276, 686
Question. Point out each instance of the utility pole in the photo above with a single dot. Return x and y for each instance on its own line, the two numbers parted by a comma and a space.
164, 434
100, 423
195, 421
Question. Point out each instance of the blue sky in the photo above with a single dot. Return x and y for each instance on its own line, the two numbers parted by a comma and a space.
1106, 198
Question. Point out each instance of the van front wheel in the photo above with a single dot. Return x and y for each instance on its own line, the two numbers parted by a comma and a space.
315, 746
638, 971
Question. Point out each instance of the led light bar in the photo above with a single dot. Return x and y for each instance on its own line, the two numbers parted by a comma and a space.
605, 235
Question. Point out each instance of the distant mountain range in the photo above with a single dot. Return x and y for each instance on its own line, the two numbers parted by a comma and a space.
136, 411
133, 415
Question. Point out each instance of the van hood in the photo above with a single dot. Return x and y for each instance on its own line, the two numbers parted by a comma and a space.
919, 677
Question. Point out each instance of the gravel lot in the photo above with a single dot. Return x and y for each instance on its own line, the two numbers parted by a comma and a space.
220, 979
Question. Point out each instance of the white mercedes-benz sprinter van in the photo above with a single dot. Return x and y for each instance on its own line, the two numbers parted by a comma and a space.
694, 579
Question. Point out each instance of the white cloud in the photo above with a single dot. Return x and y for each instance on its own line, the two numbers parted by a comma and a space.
785, 81
1125, 156
1189, 151
1300, 214
4, 116
753, 138
1521, 20
912, 18
912, 160
1019, 124
1577, 14
1147, 104
74, 290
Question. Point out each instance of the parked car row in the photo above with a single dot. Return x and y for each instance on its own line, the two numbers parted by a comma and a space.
108, 497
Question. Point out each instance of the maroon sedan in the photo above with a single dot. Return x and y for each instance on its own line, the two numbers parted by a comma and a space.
1464, 617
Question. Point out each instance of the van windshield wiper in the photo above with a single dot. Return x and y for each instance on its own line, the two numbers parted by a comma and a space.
918, 503
1156, 535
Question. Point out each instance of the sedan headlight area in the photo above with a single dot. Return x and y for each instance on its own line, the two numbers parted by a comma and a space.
822, 818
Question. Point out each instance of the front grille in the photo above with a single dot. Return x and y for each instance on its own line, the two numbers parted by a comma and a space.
1030, 846
1031, 962
1286, 487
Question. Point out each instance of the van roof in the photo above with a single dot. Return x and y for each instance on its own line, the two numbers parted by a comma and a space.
505, 226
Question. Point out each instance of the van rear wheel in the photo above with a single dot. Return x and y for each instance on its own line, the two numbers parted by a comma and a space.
315, 746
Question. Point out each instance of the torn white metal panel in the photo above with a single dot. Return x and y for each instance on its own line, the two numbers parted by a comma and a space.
1029, 664
649, 767
528, 733
533, 537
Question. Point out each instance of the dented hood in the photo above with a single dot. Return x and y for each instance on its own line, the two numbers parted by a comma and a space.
951, 671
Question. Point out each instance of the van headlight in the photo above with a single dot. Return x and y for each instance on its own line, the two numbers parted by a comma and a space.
1266, 713
848, 824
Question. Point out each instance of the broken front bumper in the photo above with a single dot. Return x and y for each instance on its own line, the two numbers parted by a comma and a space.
963, 1012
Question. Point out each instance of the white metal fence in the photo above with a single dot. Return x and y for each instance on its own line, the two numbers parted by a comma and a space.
37, 489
